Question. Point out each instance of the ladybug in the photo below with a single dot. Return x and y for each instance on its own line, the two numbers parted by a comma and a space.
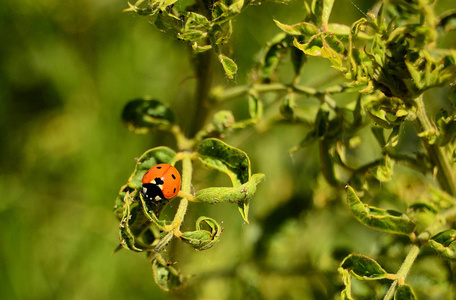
161, 182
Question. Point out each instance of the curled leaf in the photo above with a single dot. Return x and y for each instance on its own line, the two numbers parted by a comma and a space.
165, 276
239, 194
363, 267
216, 195
326, 46
222, 121
377, 218
152, 211
273, 52
143, 115
346, 292
384, 171
127, 233
220, 156
303, 28
445, 243
255, 107
201, 239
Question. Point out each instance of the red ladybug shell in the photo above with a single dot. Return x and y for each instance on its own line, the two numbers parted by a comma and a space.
166, 177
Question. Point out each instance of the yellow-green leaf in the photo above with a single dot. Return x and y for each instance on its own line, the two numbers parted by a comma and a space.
377, 218
229, 65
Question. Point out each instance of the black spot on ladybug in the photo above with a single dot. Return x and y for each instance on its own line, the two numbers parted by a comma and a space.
172, 175
159, 167
158, 181
174, 190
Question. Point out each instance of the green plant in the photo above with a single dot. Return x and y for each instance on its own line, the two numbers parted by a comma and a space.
390, 59
141, 229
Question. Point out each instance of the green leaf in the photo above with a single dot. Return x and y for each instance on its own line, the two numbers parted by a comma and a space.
203, 239
384, 171
377, 218
165, 276
196, 27
220, 34
363, 267
152, 211
339, 29
404, 292
229, 65
393, 138
303, 28
326, 46
220, 156
415, 74
357, 113
224, 10
298, 58
255, 107
119, 202
192, 35
216, 195
196, 21
379, 116
163, 4
240, 194
143, 115
327, 163
346, 293
445, 243
128, 238
222, 121
322, 10
274, 50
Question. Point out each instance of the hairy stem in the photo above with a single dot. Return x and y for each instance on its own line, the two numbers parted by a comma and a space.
186, 188
403, 271
438, 158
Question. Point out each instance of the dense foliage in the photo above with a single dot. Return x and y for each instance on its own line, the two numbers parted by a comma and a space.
315, 140
389, 59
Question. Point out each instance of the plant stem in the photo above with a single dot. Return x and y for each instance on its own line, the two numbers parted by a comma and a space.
438, 158
186, 188
203, 64
403, 271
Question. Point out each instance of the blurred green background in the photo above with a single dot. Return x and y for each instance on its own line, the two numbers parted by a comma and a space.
67, 70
